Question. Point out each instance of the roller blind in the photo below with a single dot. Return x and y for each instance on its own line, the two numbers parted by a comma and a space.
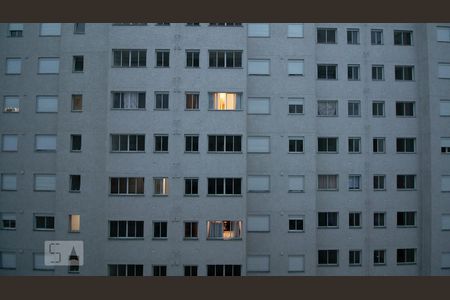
295, 30
8, 260
45, 142
44, 182
47, 104
258, 183
445, 221
51, 29
9, 142
48, 65
258, 223
258, 144
445, 183
443, 34
258, 263
258, 67
296, 101
258, 105
444, 71
445, 260
15, 26
11, 104
258, 30
445, 107
296, 183
13, 65
8, 216
445, 142
9, 182
295, 67
296, 263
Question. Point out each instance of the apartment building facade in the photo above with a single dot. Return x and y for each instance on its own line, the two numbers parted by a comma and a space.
226, 149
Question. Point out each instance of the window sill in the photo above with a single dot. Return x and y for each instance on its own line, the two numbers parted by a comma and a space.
191, 109
162, 67
161, 109
129, 67
296, 75
296, 231
223, 110
11, 112
43, 229
73, 231
75, 151
8, 229
379, 264
379, 190
76, 111
13, 73
406, 226
159, 195
126, 151
259, 75
77, 72
191, 152
329, 116
4, 190
44, 191
354, 152
192, 68
191, 196
45, 151
406, 190
128, 109
327, 190
48, 73
354, 190
225, 68
268, 152
166, 152
190, 238
296, 191
327, 227
75, 191
379, 227
355, 265
406, 263
258, 192
328, 265
354, 227
159, 238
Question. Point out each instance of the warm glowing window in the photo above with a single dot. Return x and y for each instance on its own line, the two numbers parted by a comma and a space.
224, 230
224, 101
74, 221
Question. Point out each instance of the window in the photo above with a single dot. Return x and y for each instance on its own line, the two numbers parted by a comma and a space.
376, 36
379, 182
258, 223
191, 143
258, 67
295, 67
160, 230
326, 35
192, 101
354, 108
77, 102
404, 72
15, 30
378, 108
162, 58
405, 109
162, 100
159, 270
11, 104
295, 105
127, 185
295, 31
258, 263
295, 223
328, 219
224, 101
46, 104
379, 145
406, 218
44, 222
75, 142
125, 270
377, 72
45, 142
258, 30
50, 29
445, 183
224, 186
354, 257
296, 183
406, 145
445, 221
379, 257
9, 142
191, 186
354, 145
129, 58
258, 144
327, 144
444, 70
406, 182
353, 72
190, 270
295, 144
127, 142
354, 182
223, 270
161, 186
379, 219
354, 220
44, 182
8, 221
444, 108
443, 34
445, 260
161, 143
258, 106
327, 182
79, 28
7, 260
224, 143
258, 183
75, 183
406, 256
296, 263
328, 257
352, 36
126, 229
192, 58
78, 63
402, 37
128, 100
74, 264
48, 65
74, 223
224, 230
327, 72
9, 182
13, 66
327, 108
226, 24
191, 230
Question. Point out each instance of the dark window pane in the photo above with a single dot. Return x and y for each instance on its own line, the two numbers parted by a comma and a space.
122, 228
237, 186
219, 186
139, 228
211, 186
228, 186
237, 143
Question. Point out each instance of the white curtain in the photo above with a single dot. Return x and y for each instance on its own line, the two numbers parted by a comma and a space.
327, 108
130, 100
215, 229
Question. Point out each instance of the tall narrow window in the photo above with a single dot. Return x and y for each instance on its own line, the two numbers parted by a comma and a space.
162, 58
354, 220
379, 257
354, 257
378, 108
75, 142
354, 108
192, 58
354, 182
379, 219
191, 143
376, 36
161, 143
161, 100
74, 221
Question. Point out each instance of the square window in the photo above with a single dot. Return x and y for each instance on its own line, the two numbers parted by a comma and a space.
352, 36
354, 257
296, 223
378, 108
295, 144
354, 182
160, 230
191, 186
192, 101
353, 72
354, 145
379, 182
161, 143
379, 257
379, 219
192, 58
161, 100
13, 66
379, 145
191, 270
403, 37
79, 28
162, 58
354, 220
377, 72
376, 36
9, 142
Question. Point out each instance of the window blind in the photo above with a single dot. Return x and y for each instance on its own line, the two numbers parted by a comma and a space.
296, 183
258, 223
258, 144
258, 183
258, 263
258, 30
258, 106
51, 29
258, 67
48, 65
45, 142
295, 30
47, 104
9, 142
9, 182
296, 263
44, 182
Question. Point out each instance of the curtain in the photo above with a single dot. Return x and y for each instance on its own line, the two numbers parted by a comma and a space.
130, 100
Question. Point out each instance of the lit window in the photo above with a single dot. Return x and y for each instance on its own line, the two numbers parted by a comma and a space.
74, 221
78, 63
224, 101
161, 186
224, 230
